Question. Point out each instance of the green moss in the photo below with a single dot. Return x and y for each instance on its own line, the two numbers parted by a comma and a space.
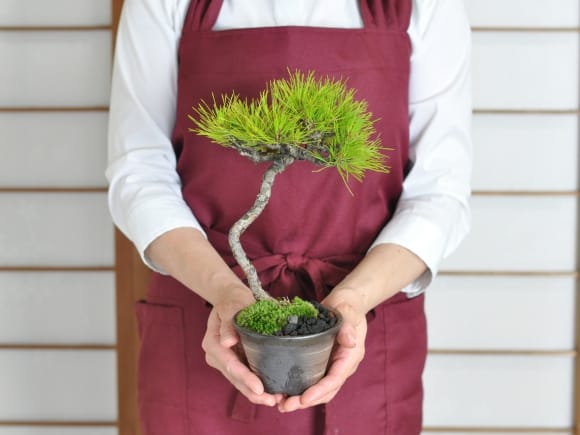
269, 316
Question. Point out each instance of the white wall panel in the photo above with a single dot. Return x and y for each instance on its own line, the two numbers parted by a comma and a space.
49, 385
55, 68
55, 230
55, 13
525, 70
61, 308
519, 233
525, 152
501, 313
58, 431
523, 13
479, 432
53, 149
498, 391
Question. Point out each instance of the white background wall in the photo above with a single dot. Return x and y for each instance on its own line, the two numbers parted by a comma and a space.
526, 88
469, 309
56, 248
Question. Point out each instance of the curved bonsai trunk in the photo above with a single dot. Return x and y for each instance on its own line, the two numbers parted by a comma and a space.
278, 165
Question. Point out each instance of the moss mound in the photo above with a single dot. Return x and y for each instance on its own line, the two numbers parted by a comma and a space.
269, 316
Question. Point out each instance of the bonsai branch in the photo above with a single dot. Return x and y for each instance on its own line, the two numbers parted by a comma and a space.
279, 164
260, 153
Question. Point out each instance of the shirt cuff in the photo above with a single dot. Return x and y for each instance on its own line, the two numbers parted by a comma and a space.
149, 220
420, 236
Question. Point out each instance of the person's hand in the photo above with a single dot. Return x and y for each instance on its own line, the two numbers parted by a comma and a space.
220, 343
348, 353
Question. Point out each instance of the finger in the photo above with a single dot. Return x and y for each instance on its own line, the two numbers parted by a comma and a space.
347, 336
327, 386
212, 332
290, 404
343, 365
260, 399
295, 403
228, 335
246, 383
351, 320
330, 384
227, 362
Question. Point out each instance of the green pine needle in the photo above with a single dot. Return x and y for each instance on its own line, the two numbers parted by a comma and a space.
320, 119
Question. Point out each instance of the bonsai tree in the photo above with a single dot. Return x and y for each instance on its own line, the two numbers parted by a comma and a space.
298, 118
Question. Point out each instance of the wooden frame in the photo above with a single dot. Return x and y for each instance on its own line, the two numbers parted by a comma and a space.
131, 283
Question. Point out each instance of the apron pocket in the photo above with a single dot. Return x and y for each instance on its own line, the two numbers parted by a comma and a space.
406, 343
162, 378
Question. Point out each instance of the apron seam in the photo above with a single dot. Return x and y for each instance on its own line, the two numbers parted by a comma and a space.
386, 366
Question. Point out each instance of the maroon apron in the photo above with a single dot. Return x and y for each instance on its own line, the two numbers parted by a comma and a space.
311, 234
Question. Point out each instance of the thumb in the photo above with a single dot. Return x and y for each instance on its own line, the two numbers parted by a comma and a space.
228, 335
347, 334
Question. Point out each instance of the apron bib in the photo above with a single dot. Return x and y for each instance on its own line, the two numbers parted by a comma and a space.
311, 234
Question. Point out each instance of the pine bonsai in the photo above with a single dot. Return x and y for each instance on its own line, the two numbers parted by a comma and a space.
299, 118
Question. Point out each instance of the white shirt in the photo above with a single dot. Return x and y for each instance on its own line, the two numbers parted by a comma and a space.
432, 215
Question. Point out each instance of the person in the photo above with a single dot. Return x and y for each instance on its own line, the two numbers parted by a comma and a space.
370, 254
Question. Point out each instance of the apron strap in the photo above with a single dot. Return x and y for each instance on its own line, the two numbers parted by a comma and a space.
202, 14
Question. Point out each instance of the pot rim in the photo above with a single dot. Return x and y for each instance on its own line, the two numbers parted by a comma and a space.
249, 332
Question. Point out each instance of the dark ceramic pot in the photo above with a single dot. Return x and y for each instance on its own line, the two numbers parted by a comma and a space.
288, 365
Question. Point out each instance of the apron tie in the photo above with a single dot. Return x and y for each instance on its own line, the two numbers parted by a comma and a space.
288, 275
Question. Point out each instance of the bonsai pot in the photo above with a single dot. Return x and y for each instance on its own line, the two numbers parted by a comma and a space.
288, 364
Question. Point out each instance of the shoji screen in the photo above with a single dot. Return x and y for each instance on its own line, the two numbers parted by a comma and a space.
57, 297
503, 313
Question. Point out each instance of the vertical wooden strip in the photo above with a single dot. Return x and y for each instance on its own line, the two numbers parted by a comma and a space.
116, 6
131, 283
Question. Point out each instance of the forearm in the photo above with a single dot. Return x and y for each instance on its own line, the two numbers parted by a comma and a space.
185, 254
385, 270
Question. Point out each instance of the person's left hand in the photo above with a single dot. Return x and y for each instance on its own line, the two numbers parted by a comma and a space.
348, 353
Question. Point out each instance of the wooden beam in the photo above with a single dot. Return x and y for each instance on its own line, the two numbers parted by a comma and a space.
33, 109
57, 423
536, 111
526, 193
487, 29
131, 284
512, 273
522, 430
505, 352
58, 347
27, 269
40, 189
90, 28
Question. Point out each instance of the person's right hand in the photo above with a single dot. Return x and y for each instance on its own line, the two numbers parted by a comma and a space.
220, 342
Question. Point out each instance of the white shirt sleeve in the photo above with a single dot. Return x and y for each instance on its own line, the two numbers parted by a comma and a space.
433, 214
144, 188
145, 197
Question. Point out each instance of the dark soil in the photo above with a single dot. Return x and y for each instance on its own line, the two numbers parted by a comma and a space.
298, 326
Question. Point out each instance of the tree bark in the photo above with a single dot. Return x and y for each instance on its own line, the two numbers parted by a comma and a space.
278, 165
